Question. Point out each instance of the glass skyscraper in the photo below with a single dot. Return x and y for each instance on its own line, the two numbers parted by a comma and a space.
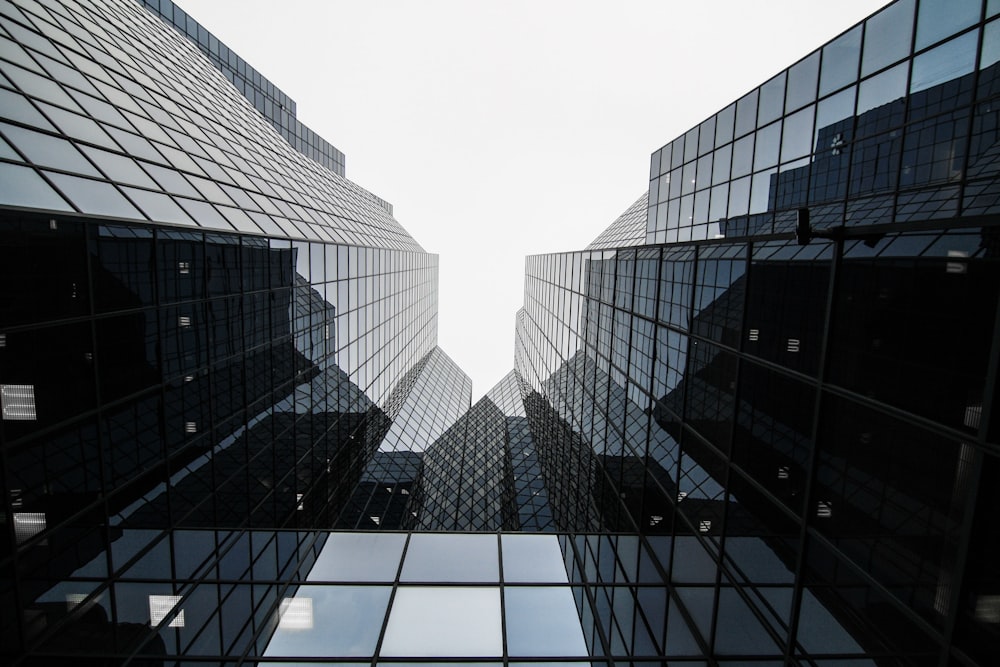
752, 423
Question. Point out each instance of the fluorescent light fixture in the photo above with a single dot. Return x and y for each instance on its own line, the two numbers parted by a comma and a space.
18, 402
73, 600
988, 608
160, 607
28, 524
296, 614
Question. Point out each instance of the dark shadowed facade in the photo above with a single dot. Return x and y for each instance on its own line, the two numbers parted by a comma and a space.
229, 436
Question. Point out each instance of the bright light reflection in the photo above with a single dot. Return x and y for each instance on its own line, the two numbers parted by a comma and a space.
296, 614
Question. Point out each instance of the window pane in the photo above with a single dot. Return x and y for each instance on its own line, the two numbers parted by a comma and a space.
768, 145
991, 45
887, 37
453, 557
95, 197
840, 61
22, 186
948, 61
802, 83
330, 621
882, 89
772, 99
796, 139
532, 558
724, 125
359, 557
47, 151
542, 621
430, 621
746, 114
158, 207
940, 18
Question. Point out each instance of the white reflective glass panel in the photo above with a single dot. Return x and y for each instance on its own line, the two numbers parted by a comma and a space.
330, 621
451, 557
532, 558
359, 557
427, 621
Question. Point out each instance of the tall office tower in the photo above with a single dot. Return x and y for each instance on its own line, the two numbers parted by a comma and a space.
782, 374
752, 423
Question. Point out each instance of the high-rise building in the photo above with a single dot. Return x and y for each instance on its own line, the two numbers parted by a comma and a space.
752, 423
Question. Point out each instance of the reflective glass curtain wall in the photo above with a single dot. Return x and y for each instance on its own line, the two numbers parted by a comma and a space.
746, 449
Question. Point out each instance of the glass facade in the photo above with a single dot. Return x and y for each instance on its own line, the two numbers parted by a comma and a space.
892, 123
268, 99
229, 437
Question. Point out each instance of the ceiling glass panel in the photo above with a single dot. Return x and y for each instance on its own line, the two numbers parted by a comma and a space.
329, 621
359, 557
532, 558
542, 620
451, 557
444, 621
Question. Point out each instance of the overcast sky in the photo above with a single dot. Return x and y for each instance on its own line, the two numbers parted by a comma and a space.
510, 128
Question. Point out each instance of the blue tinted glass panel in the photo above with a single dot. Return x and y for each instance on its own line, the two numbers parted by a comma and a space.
940, 18
887, 37
991, 45
944, 63
882, 89
840, 61
451, 557
359, 557
802, 83
542, 621
329, 621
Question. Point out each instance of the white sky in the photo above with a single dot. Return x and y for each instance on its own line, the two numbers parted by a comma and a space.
509, 128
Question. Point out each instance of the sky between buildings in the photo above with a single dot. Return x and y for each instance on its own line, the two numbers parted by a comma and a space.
509, 128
